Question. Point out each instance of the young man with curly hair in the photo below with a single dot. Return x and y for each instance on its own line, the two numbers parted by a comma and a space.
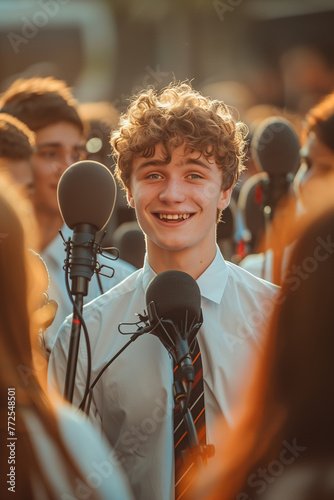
179, 155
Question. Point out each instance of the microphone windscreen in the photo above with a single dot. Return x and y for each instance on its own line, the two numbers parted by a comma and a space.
86, 194
173, 293
275, 147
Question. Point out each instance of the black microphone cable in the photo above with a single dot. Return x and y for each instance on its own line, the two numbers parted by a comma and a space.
89, 389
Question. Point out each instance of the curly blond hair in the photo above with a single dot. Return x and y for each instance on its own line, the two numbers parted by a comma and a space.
178, 115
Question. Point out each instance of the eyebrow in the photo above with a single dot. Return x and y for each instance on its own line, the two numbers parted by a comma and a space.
48, 145
163, 163
57, 145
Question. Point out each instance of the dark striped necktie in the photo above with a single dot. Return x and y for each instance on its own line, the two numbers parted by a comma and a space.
184, 475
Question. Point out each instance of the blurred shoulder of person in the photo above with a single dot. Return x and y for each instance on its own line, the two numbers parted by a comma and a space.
48, 107
52, 452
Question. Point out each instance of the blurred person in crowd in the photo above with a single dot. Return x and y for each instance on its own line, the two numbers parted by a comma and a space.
307, 74
17, 144
179, 155
47, 107
48, 450
264, 198
286, 416
314, 181
317, 153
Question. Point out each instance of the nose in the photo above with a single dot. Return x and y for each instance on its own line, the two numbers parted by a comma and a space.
173, 191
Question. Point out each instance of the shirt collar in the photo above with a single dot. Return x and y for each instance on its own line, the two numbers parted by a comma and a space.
211, 283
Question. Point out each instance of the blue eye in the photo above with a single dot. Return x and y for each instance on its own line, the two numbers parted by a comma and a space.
195, 176
154, 176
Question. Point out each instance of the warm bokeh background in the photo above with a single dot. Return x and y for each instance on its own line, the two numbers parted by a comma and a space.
281, 52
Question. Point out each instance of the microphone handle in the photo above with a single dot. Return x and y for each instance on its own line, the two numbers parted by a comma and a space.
82, 258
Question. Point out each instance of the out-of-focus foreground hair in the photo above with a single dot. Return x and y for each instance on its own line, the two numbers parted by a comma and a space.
20, 292
178, 115
290, 399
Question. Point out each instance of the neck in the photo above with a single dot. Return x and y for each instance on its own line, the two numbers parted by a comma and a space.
186, 260
49, 225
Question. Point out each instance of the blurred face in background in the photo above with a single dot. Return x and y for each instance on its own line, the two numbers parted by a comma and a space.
317, 184
57, 147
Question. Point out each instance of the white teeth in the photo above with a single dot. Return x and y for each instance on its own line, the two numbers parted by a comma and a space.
174, 216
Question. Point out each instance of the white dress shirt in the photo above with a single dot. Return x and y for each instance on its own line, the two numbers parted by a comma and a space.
54, 256
133, 399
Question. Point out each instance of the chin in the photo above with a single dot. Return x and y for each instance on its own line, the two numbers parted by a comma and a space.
172, 246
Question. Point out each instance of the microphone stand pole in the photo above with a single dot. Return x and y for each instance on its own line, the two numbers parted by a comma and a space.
81, 270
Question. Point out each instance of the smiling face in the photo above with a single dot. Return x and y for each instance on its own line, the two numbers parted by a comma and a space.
57, 147
176, 203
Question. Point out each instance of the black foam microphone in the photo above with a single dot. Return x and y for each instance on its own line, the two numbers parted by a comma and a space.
275, 150
86, 198
173, 301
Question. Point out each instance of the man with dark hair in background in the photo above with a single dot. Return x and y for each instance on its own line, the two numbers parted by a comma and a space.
318, 151
47, 107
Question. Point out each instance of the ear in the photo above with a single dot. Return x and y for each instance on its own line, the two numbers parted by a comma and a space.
224, 198
130, 199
